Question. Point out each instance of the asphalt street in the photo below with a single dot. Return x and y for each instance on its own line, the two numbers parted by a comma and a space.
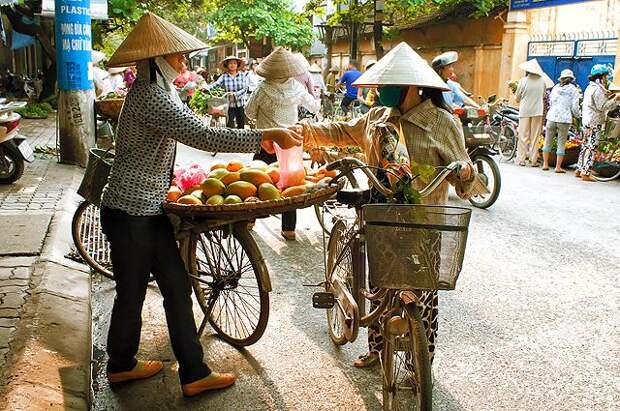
532, 324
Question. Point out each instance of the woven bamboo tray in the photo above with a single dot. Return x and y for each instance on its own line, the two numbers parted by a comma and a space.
110, 108
246, 211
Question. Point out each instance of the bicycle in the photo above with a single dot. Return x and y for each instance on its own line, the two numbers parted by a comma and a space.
403, 244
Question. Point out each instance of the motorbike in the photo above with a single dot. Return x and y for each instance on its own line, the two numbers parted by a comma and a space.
480, 141
14, 148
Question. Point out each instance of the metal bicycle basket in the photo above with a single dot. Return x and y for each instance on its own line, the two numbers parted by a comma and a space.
415, 246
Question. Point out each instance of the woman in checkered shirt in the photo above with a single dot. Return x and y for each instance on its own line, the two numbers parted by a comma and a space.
234, 82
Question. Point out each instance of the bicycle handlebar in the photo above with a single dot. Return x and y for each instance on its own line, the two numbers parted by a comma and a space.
348, 164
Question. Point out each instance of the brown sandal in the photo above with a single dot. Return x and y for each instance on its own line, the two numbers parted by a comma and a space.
366, 360
560, 170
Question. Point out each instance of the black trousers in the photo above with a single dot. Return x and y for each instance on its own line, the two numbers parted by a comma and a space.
236, 115
141, 246
289, 219
346, 103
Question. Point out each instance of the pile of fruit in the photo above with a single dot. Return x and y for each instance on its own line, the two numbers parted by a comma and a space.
236, 183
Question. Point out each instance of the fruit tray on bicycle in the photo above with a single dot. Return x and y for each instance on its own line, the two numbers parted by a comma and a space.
250, 210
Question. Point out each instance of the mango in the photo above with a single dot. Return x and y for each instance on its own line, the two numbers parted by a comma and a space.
198, 194
231, 177
309, 184
256, 177
190, 190
174, 193
217, 165
212, 186
232, 199
274, 174
189, 199
275, 164
215, 200
243, 189
258, 164
294, 191
268, 191
218, 173
234, 165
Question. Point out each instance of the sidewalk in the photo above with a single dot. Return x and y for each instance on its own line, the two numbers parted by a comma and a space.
44, 298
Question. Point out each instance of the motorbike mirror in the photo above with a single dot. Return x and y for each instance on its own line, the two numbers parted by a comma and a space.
492, 98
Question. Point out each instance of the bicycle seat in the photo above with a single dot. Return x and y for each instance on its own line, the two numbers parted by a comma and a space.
354, 196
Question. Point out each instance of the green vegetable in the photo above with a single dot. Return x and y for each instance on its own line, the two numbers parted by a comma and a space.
34, 111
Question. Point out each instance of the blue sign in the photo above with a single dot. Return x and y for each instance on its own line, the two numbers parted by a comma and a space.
73, 45
533, 4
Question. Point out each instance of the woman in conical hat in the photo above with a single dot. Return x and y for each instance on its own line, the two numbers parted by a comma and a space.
414, 123
142, 240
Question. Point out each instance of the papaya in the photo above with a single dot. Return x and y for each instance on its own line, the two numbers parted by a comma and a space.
274, 174
174, 193
198, 194
231, 177
294, 191
234, 165
258, 164
217, 165
243, 189
218, 173
212, 186
232, 199
255, 177
189, 199
215, 200
268, 191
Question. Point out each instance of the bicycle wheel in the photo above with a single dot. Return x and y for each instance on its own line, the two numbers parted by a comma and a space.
231, 289
507, 142
608, 176
489, 171
89, 240
339, 266
407, 379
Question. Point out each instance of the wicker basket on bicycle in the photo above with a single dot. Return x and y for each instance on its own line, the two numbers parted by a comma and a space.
218, 106
247, 211
109, 108
415, 246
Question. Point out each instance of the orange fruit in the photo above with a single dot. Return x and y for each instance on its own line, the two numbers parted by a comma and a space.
234, 165
174, 193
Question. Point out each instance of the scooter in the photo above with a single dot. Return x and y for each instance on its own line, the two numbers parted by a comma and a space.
14, 148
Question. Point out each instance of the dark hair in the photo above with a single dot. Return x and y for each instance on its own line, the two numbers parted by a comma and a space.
596, 76
353, 62
436, 96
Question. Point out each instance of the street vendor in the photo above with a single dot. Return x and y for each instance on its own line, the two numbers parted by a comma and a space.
141, 237
444, 66
235, 83
410, 93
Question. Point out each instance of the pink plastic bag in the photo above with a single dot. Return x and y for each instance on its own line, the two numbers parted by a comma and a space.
292, 171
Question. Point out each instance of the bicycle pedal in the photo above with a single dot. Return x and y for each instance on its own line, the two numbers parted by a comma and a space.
323, 299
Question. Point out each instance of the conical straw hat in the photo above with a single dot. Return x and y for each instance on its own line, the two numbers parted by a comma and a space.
281, 64
532, 66
152, 37
401, 67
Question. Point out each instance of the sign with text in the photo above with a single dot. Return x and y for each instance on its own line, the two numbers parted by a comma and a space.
98, 9
74, 45
533, 4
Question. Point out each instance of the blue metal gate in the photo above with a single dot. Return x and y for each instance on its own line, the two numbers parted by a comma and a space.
578, 54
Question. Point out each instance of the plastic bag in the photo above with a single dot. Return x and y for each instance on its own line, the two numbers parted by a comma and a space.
292, 171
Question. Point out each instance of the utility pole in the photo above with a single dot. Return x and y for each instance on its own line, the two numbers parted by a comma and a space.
378, 28
353, 41
76, 96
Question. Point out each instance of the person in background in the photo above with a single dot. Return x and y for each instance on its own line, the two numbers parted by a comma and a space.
129, 75
116, 77
101, 78
331, 79
317, 79
529, 95
235, 84
597, 101
275, 103
367, 96
563, 105
253, 78
444, 66
206, 77
347, 80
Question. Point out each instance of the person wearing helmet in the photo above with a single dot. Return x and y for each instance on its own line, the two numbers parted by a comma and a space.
412, 122
367, 96
596, 103
563, 106
444, 66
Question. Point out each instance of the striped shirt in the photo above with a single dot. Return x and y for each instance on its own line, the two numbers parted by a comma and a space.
149, 126
238, 85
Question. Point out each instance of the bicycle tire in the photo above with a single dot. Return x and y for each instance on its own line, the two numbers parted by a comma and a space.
89, 240
604, 179
224, 243
508, 143
415, 355
490, 199
339, 253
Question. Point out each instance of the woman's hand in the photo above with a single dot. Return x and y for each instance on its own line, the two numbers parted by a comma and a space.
285, 138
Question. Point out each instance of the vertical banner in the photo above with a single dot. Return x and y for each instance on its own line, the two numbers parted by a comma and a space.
73, 45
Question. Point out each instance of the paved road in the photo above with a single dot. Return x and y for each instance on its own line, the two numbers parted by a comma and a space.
532, 325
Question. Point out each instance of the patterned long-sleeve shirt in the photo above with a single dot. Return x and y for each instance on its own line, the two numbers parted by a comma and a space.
596, 104
238, 85
563, 103
149, 126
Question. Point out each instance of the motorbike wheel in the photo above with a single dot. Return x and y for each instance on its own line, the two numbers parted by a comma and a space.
489, 171
11, 163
